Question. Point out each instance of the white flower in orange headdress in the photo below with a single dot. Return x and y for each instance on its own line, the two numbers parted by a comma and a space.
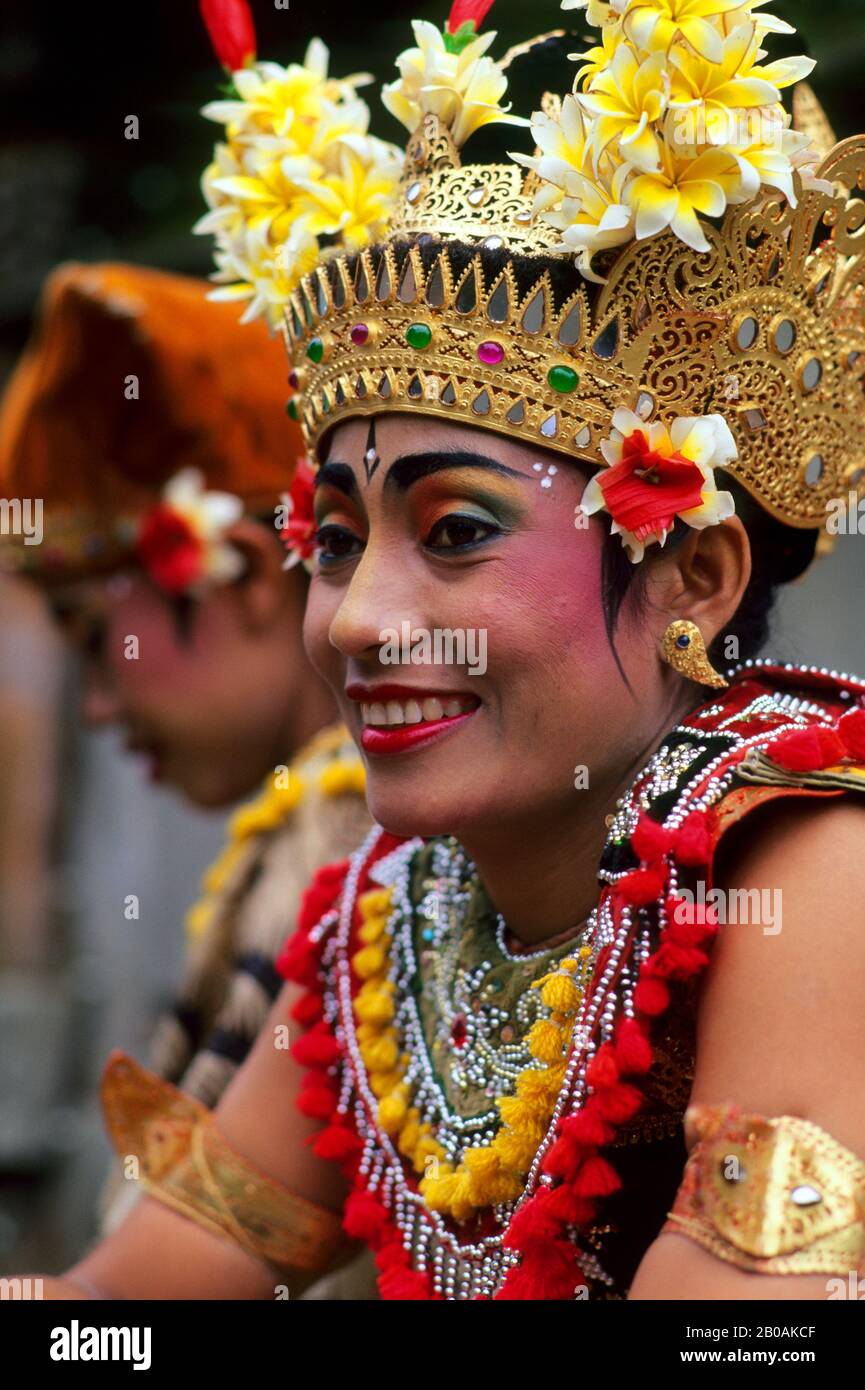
180, 541
655, 476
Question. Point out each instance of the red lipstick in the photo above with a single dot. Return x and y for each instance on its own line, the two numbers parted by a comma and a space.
383, 739
400, 738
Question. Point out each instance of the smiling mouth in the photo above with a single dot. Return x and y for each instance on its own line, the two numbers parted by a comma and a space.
429, 709
403, 719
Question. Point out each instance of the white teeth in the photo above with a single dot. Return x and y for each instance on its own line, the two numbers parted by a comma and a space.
413, 713
395, 713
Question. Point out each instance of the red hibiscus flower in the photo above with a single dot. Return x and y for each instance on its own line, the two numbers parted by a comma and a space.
169, 550
644, 491
232, 31
468, 12
299, 533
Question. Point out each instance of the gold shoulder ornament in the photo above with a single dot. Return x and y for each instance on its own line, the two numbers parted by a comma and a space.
184, 1161
771, 1196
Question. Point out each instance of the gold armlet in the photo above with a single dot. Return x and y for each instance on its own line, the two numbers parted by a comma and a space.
772, 1196
182, 1159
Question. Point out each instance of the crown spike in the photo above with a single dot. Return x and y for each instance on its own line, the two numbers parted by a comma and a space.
385, 277
470, 289
572, 320
340, 292
322, 292
295, 327
536, 310
437, 290
306, 303
607, 342
501, 297
363, 278
410, 279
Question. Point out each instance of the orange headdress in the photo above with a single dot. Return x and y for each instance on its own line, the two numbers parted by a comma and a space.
131, 379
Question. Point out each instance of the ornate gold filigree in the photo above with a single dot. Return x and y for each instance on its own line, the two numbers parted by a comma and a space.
767, 328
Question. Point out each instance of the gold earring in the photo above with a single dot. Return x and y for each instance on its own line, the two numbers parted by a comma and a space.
683, 648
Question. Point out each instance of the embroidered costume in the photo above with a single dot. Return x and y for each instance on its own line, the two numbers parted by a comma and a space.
512, 1123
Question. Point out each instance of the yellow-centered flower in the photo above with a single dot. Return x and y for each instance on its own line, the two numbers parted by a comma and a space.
656, 24
598, 12
251, 269
582, 200
271, 99
685, 186
357, 202
626, 100
716, 101
463, 89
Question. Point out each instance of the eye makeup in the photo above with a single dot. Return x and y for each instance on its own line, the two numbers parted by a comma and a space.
493, 500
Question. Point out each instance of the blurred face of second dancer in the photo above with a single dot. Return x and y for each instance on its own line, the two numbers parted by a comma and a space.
213, 692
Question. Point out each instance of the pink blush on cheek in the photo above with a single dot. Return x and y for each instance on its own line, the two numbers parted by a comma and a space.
553, 586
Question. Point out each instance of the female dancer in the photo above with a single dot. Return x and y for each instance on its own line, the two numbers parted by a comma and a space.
564, 1019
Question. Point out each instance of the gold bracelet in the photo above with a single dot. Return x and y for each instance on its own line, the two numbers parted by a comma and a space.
771, 1196
184, 1161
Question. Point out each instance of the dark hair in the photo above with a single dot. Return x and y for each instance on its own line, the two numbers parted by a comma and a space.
779, 553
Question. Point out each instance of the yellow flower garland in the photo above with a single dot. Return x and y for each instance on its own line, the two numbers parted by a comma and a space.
494, 1172
273, 806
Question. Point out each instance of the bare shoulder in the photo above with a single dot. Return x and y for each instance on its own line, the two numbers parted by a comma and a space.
781, 1019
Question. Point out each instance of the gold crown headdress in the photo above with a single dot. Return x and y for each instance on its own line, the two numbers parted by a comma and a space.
720, 320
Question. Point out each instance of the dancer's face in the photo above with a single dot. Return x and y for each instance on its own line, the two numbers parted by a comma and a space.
460, 533
209, 701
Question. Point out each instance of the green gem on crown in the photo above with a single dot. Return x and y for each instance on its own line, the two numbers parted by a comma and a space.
563, 379
315, 351
293, 409
419, 336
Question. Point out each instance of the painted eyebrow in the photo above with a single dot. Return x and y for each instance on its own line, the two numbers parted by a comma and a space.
410, 468
339, 476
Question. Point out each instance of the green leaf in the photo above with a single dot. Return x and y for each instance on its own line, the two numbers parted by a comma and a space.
455, 43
